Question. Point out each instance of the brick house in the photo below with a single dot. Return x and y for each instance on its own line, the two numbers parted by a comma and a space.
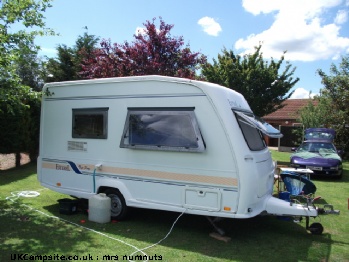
286, 116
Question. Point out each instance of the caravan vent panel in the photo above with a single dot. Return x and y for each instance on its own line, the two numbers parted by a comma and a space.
77, 146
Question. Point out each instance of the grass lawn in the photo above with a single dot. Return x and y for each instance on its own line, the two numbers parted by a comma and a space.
24, 230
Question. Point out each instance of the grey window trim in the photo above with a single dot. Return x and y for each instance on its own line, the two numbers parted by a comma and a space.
255, 142
262, 126
101, 111
124, 143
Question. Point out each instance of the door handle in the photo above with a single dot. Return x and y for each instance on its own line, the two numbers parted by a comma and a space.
248, 158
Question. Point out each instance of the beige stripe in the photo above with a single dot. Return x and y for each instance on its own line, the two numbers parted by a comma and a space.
48, 165
211, 180
172, 176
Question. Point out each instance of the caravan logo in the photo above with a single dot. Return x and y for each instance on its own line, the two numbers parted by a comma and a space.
63, 167
234, 104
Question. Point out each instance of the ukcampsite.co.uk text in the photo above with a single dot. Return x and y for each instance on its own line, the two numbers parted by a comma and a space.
57, 257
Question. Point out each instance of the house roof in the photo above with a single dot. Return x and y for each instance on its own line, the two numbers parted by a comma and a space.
290, 109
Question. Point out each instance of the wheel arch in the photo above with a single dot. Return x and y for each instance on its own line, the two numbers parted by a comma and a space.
105, 184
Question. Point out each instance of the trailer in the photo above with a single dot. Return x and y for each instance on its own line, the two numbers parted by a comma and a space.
161, 143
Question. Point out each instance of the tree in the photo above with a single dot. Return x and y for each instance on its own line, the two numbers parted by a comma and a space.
63, 67
67, 66
332, 109
154, 51
19, 103
259, 81
28, 14
29, 70
84, 47
315, 114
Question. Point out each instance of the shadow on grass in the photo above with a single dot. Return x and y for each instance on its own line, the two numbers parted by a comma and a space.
257, 239
324, 178
23, 231
17, 173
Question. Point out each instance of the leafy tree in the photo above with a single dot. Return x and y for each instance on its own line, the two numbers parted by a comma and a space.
332, 110
28, 14
19, 103
67, 66
154, 51
84, 47
29, 69
259, 81
63, 67
315, 114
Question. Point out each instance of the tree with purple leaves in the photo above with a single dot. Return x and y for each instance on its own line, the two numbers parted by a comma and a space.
153, 52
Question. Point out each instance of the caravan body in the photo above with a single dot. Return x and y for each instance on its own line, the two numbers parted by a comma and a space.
160, 143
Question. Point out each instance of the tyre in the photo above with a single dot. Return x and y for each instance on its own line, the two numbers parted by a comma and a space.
316, 229
118, 205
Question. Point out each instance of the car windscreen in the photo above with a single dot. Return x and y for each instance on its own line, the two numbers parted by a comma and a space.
317, 147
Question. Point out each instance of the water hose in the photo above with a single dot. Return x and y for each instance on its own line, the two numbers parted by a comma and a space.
94, 180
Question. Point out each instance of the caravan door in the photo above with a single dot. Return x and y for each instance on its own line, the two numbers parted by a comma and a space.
252, 129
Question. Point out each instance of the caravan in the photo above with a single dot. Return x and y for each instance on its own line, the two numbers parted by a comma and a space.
160, 143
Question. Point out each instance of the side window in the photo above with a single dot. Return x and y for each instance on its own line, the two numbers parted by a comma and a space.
251, 134
90, 123
162, 129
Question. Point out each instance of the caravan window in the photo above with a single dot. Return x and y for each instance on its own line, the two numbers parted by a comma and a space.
252, 135
173, 129
90, 123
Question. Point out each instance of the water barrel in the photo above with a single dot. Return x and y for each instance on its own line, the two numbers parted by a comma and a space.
99, 208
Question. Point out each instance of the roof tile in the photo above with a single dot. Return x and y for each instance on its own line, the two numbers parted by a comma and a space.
290, 109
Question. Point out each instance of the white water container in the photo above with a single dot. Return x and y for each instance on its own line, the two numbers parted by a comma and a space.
99, 208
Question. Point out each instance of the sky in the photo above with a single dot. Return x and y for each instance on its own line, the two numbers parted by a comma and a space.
314, 33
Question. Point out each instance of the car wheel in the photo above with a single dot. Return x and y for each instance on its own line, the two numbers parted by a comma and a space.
340, 175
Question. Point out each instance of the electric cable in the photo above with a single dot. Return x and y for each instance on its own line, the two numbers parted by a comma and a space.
16, 194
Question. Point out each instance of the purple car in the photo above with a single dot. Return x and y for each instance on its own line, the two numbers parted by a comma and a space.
318, 153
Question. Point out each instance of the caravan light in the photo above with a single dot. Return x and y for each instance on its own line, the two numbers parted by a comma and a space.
227, 209
58, 184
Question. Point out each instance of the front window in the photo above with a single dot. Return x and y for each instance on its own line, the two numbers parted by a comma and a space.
162, 129
252, 135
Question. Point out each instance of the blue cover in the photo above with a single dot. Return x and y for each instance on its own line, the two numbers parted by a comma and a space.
296, 183
317, 134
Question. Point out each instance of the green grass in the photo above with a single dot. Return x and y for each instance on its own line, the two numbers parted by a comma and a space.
283, 158
24, 230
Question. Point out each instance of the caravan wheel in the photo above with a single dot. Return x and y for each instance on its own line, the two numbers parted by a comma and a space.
118, 204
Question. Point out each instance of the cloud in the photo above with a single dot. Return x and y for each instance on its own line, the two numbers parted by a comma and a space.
210, 26
301, 93
341, 17
140, 30
305, 29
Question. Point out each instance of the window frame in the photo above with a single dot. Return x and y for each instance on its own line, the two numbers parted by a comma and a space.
124, 143
103, 111
249, 143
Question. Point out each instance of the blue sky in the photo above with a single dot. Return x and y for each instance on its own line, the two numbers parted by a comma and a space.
315, 33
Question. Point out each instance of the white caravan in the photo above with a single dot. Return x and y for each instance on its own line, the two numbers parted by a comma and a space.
160, 143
